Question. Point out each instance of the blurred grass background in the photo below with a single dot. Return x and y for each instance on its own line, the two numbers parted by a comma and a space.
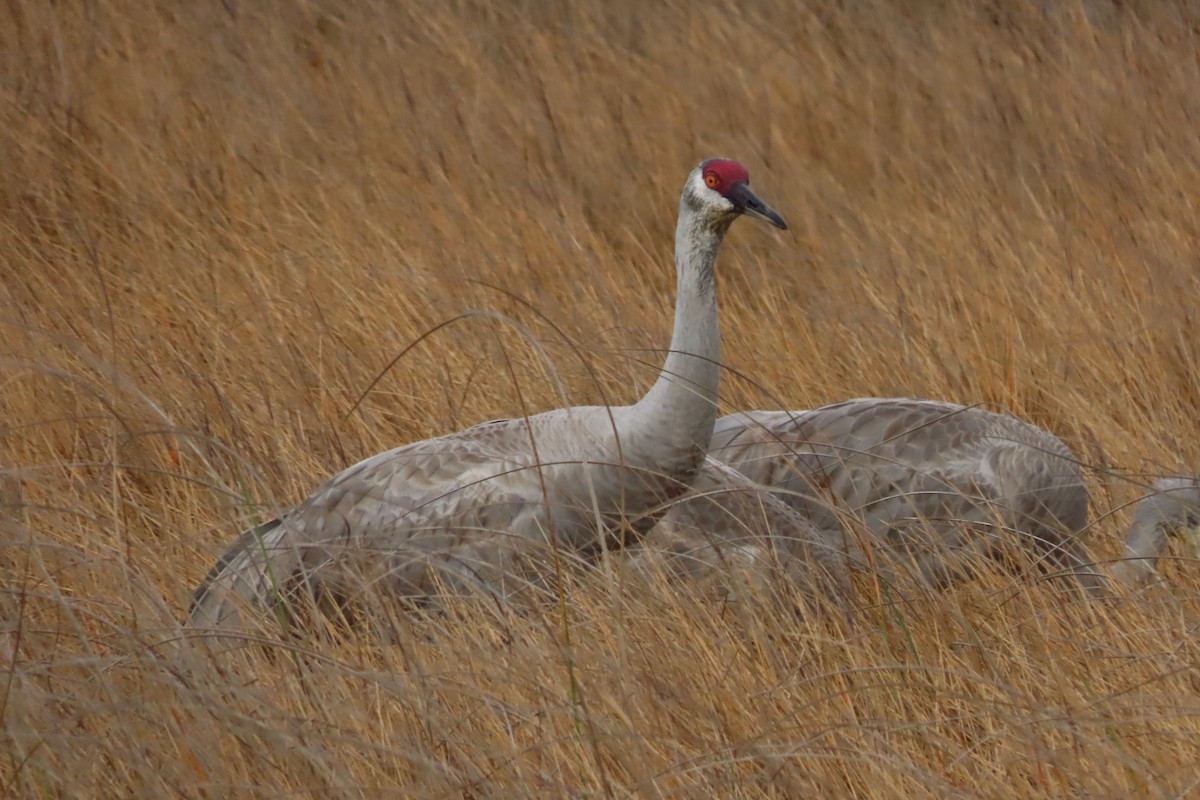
219, 223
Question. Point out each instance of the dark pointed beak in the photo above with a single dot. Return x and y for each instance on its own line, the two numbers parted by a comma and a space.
747, 202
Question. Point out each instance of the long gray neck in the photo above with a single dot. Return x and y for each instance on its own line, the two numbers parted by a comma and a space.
681, 407
1157, 516
1147, 540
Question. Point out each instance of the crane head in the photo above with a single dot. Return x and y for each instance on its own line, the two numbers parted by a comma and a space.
724, 185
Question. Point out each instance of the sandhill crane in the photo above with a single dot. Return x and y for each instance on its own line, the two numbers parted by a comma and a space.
464, 511
935, 483
1171, 509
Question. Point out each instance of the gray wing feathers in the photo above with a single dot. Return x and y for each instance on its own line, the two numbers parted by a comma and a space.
255, 537
399, 516
922, 477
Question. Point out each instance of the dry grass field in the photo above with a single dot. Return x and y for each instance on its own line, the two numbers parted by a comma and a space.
220, 222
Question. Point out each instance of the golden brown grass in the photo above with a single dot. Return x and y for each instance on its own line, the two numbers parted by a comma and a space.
221, 221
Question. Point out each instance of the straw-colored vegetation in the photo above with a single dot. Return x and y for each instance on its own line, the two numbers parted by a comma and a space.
220, 222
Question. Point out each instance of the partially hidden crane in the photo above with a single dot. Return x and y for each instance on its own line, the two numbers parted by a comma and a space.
935, 486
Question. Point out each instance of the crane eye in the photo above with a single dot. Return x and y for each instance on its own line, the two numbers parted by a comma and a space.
711, 181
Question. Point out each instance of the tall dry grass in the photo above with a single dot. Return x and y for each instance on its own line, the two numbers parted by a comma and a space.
221, 222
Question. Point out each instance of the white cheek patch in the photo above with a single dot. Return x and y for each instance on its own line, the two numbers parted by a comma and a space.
711, 197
